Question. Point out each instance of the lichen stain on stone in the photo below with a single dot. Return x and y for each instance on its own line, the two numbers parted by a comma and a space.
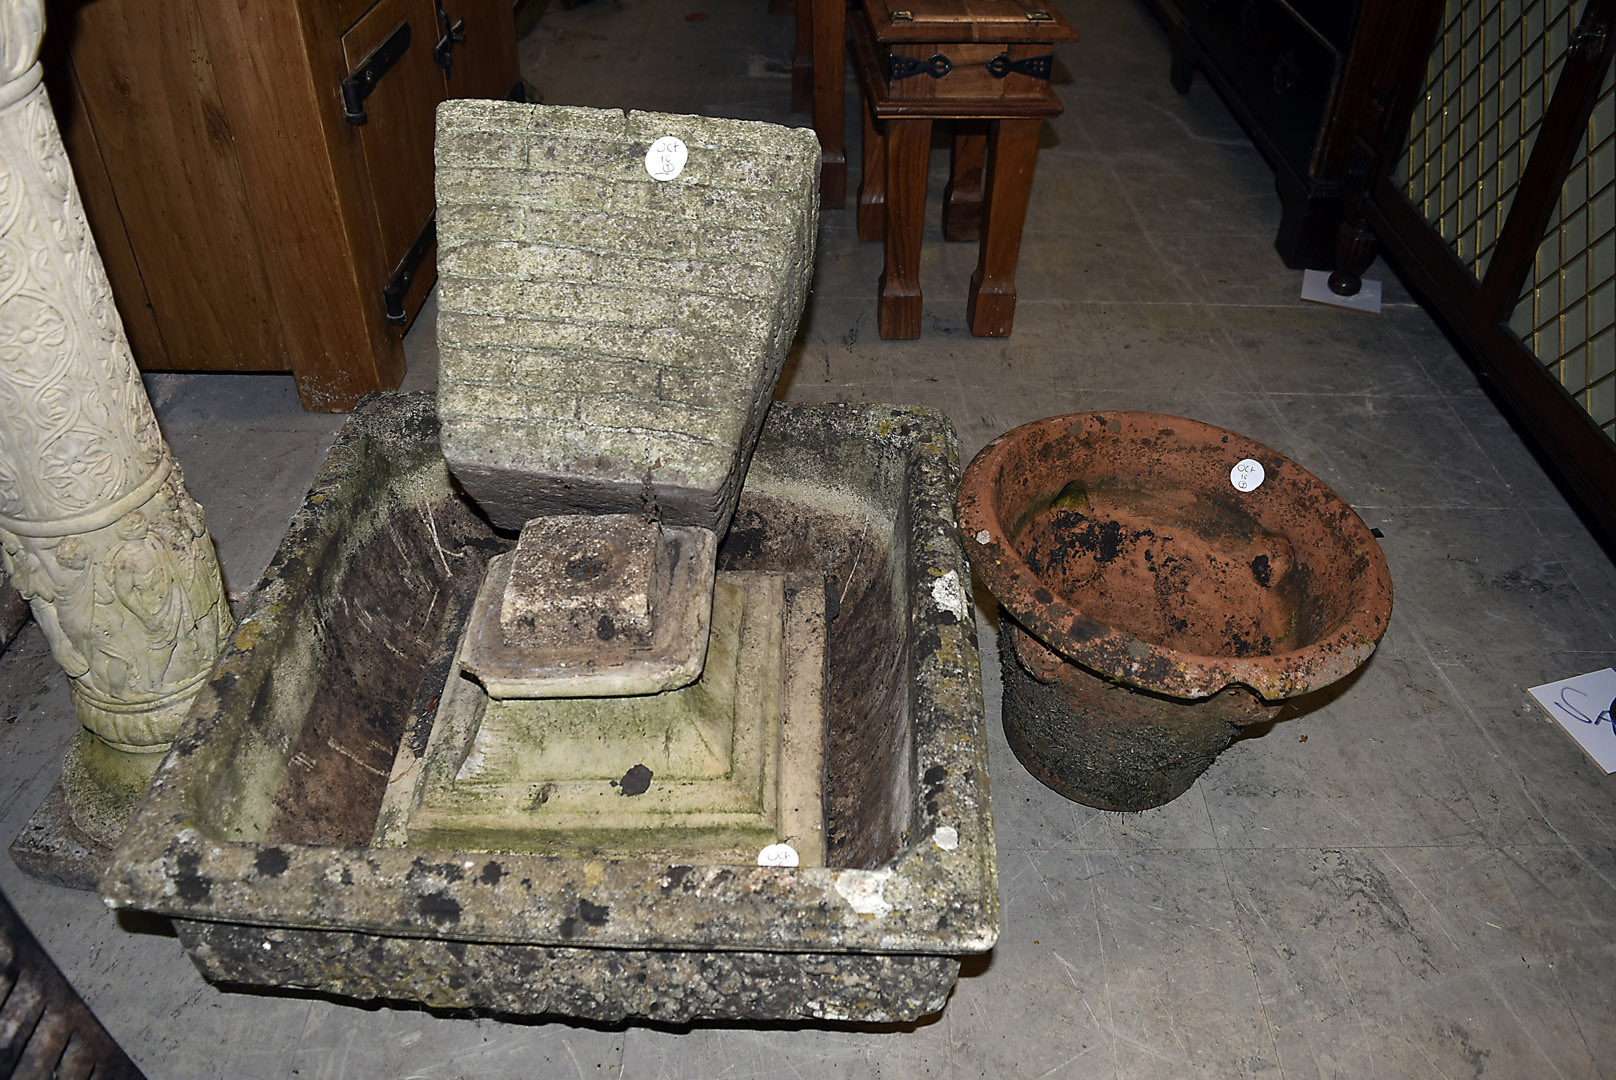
594, 914
862, 891
448, 871
636, 781
492, 873
439, 907
191, 886
949, 596
271, 862
247, 634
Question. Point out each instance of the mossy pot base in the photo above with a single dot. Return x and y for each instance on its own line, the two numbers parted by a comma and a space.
1105, 744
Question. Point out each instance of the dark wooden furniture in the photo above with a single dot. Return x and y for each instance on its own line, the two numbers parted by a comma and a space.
1506, 297
986, 65
258, 173
818, 76
1328, 91
1306, 78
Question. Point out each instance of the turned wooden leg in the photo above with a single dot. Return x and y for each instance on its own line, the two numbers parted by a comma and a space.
1354, 251
1307, 226
1012, 152
962, 199
872, 192
802, 59
908, 144
830, 74
1181, 68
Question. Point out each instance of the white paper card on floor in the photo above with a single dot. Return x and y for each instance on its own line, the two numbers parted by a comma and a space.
1581, 704
1316, 287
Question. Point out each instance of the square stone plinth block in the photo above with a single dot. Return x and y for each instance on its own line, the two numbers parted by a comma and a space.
592, 607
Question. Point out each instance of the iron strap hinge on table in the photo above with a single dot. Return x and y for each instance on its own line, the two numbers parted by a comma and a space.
363, 79
902, 67
454, 33
1039, 67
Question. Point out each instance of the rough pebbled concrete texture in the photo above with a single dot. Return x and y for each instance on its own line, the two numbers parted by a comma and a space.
608, 340
665, 985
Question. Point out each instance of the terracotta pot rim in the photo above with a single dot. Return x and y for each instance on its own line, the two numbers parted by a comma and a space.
1117, 654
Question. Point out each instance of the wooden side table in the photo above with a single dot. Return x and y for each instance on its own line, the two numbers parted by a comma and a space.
986, 65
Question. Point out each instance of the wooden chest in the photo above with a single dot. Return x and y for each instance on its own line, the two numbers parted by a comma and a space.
976, 50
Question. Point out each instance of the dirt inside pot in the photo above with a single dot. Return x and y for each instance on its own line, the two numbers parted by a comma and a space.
1184, 570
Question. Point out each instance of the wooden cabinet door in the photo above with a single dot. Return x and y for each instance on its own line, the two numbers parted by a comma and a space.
397, 133
483, 61
167, 194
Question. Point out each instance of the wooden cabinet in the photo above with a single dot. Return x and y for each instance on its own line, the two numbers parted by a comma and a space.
1314, 82
248, 218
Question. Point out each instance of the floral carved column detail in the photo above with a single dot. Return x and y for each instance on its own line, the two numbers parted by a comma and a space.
96, 526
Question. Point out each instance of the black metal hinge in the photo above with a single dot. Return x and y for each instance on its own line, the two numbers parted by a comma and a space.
1039, 67
363, 79
398, 286
454, 33
901, 67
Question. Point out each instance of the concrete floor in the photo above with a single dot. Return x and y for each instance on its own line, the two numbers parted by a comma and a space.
1414, 879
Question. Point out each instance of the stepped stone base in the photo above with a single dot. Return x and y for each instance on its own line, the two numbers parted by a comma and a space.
713, 772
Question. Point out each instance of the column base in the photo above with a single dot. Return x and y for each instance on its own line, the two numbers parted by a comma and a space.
69, 840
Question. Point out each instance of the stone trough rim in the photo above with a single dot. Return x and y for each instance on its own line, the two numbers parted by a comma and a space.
166, 864
1114, 653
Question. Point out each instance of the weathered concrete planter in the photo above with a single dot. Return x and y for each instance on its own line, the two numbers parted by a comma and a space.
1154, 608
254, 836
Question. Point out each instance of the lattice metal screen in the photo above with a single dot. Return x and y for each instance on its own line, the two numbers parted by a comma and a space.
1489, 79
1567, 314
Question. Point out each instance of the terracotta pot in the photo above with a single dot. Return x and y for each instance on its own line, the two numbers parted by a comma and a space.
1153, 606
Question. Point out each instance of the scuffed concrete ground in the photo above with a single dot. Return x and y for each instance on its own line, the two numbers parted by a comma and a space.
1414, 880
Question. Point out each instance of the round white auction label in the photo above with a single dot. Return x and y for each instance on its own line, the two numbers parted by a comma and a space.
1247, 475
666, 158
778, 855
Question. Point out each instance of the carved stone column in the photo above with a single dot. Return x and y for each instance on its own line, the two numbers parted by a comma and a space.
96, 527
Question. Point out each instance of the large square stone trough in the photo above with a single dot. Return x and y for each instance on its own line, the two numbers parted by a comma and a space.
255, 835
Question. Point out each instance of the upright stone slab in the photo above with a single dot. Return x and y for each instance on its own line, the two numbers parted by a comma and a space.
609, 341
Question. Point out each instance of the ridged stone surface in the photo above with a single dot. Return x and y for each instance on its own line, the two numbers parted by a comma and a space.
609, 340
